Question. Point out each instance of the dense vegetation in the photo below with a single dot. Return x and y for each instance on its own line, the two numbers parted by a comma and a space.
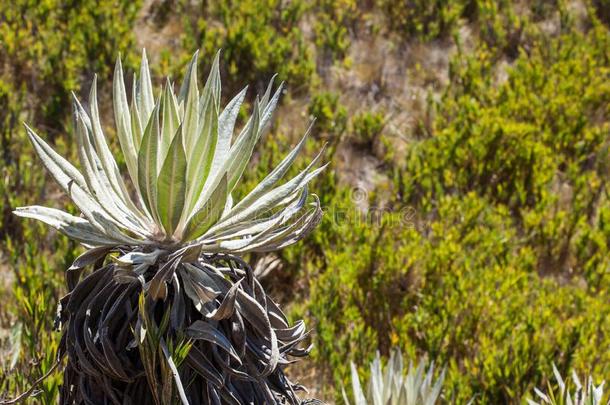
482, 239
47, 49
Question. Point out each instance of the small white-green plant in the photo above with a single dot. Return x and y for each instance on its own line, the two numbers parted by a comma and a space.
583, 394
391, 386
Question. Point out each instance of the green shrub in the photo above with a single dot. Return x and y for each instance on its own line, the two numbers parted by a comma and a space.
366, 128
602, 9
502, 25
258, 38
492, 257
48, 46
422, 18
538, 148
32, 301
334, 19
462, 289
330, 115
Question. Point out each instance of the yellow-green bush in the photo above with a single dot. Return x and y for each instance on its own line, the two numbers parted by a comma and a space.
367, 127
503, 25
334, 19
330, 115
49, 46
460, 290
258, 38
602, 8
536, 143
493, 257
422, 18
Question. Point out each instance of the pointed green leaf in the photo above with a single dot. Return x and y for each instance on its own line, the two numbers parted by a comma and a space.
273, 177
99, 184
236, 163
147, 163
200, 159
75, 228
286, 234
212, 88
146, 99
268, 109
242, 150
211, 211
270, 200
191, 107
170, 121
62, 170
280, 215
107, 160
72, 182
171, 185
123, 120
187, 78
226, 124
80, 129
137, 122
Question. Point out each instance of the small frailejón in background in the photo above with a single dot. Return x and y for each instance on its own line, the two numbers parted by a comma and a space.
161, 308
564, 394
396, 384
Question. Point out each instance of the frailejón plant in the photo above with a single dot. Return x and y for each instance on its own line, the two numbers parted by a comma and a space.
583, 394
390, 386
169, 312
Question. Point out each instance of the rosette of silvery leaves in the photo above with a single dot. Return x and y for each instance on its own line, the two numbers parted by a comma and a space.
161, 308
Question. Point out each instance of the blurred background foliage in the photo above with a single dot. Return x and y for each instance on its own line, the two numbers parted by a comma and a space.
467, 208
